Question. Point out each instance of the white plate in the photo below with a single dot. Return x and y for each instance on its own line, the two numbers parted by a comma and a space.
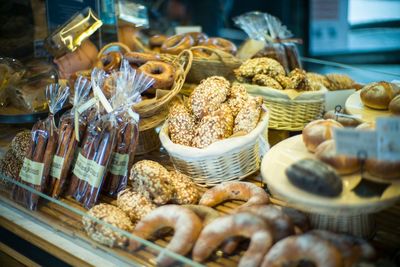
354, 106
285, 153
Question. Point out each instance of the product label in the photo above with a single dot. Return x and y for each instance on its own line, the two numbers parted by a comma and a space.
95, 174
82, 166
56, 167
119, 164
388, 138
32, 172
355, 143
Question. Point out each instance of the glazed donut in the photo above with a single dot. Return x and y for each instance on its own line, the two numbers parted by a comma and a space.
304, 247
162, 73
157, 40
351, 248
186, 224
244, 191
110, 61
176, 44
240, 224
221, 44
198, 37
137, 59
206, 214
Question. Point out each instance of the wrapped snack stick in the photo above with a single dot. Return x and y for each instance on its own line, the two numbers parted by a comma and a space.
72, 125
129, 85
37, 162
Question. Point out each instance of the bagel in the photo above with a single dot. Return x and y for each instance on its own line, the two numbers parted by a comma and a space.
162, 73
198, 37
240, 224
244, 191
176, 44
137, 59
110, 61
221, 44
157, 40
186, 225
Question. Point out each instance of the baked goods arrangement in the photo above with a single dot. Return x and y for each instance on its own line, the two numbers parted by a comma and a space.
214, 111
177, 43
382, 96
199, 230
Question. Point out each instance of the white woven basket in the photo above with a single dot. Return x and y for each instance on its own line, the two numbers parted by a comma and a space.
225, 160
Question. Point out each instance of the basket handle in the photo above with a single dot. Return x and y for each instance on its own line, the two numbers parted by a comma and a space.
185, 59
107, 46
223, 56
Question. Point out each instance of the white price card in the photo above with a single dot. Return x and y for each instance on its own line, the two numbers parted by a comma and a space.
186, 29
388, 138
355, 143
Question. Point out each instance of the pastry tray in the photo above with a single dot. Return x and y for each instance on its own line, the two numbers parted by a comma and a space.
348, 203
354, 106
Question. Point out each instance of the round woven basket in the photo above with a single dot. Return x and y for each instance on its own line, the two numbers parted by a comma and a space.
290, 112
219, 63
182, 64
230, 159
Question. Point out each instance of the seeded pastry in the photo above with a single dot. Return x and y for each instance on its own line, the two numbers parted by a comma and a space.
186, 191
248, 116
136, 205
263, 65
265, 80
237, 97
181, 125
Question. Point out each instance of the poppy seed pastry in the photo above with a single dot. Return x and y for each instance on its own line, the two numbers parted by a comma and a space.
315, 177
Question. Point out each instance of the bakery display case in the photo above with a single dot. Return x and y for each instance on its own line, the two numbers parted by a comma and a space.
139, 145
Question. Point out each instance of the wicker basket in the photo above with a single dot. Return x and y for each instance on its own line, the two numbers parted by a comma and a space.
219, 63
229, 159
290, 110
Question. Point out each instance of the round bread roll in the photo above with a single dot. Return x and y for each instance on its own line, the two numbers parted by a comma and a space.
378, 95
366, 126
318, 131
326, 152
385, 170
345, 121
394, 105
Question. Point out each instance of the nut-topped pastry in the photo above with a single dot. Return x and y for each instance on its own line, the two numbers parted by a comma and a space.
20, 144
248, 116
316, 79
102, 233
298, 80
136, 205
181, 125
263, 65
265, 80
149, 176
186, 191
210, 93
340, 81
237, 98
213, 127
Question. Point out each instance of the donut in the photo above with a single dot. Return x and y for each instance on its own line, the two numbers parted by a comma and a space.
110, 61
137, 59
240, 224
244, 191
186, 225
163, 73
176, 44
293, 249
221, 44
157, 40
206, 214
198, 37
351, 248
281, 224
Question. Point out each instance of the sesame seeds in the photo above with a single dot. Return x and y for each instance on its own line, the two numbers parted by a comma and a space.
248, 116
135, 204
181, 125
186, 191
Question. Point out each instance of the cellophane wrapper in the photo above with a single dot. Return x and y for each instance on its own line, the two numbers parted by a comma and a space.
37, 162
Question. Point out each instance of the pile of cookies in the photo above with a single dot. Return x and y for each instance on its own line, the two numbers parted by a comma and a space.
152, 185
269, 72
215, 110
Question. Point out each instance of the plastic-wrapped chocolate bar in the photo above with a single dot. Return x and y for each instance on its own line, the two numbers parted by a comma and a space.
36, 167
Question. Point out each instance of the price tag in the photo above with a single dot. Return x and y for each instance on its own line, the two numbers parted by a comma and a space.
351, 142
388, 138
186, 29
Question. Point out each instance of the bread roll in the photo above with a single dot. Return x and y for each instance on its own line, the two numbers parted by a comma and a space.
386, 170
345, 121
394, 105
366, 126
378, 95
317, 132
326, 152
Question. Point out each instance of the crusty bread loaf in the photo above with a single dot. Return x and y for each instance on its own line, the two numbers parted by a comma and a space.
378, 95
394, 105
326, 152
317, 132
